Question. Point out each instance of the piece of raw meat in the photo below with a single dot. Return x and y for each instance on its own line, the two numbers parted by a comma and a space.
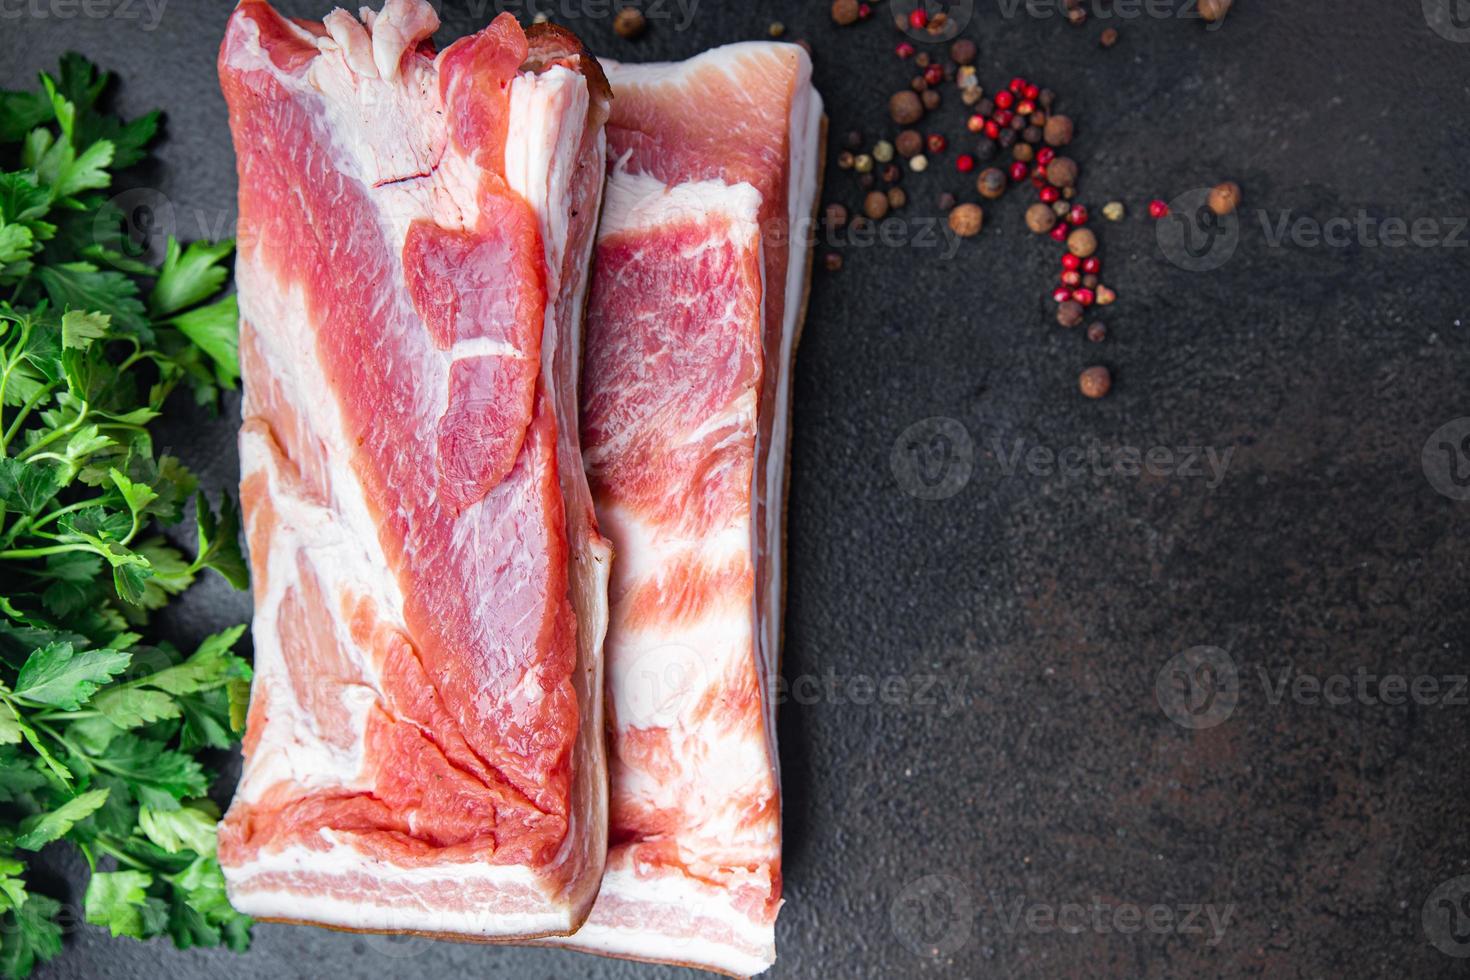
697, 298
424, 749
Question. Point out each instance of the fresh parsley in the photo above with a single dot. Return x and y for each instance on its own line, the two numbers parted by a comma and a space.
100, 729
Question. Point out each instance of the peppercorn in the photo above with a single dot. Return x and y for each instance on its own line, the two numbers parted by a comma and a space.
1071, 279
904, 49
845, 160
1059, 130
922, 60
875, 205
776, 29
1082, 242
1109, 37
964, 163
985, 107
1105, 296
835, 216
1045, 155
1114, 210
1078, 215
1059, 208
946, 201
963, 51
1004, 99
861, 225
1024, 152
930, 99
1213, 10
1061, 294
844, 12
1092, 264
897, 198
1040, 219
1025, 107
918, 18
905, 108
919, 164
966, 220
1061, 231
630, 22
883, 151
1070, 261
1038, 119
832, 261
918, 84
1096, 332
935, 143
991, 183
976, 123
1050, 195
1158, 209
1046, 98
1007, 139
969, 96
1090, 281
864, 11
892, 173
1095, 382
986, 150
1077, 16
1031, 134
862, 163
1019, 171
865, 181
909, 143
853, 140
1068, 193
1062, 172
1069, 313
1085, 296
1225, 198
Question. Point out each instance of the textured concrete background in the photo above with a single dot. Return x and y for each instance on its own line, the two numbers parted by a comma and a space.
1024, 764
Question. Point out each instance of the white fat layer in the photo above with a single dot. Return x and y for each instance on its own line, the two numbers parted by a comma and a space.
674, 901
637, 201
396, 901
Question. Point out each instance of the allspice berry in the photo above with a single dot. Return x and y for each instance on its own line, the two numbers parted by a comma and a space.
905, 107
832, 261
1213, 10
875, 205
1024, 152
897, 198
1082, 243
629, 23
930, 99
1062, 172
1097, 332
835, 216
1059, 130
963, 51
1040, 219
991, 183
909, 143
1109, 37
1225, 198
844, 12
1096, 381
1069, 313
966, 219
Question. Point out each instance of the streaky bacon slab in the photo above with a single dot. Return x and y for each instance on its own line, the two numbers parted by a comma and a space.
697, 297
424, 751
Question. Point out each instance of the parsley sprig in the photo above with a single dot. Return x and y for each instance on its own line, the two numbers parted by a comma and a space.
101, 731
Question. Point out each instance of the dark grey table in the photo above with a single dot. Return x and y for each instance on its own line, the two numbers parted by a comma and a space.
1143, 722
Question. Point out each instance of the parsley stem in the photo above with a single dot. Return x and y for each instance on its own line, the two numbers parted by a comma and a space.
56, 549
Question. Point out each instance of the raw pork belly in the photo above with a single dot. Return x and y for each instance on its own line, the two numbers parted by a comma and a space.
424, 750
697, 298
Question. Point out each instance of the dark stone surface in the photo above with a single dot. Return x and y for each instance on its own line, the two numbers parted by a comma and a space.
1042, 769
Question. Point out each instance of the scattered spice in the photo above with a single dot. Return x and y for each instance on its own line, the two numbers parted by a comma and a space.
930, 99
1109, 37
1077, 16
844, 12
1059, 130
1039, 219
904, 50
964, 163
1114, 211
1225, 198
883, 151
963, 51
946, 201
905, 108
991, 183
1024, 152
1213, 10
1069, 313
966, 220
1097, 332
935, 143
776, 29
832, 261
1082, 242
919, 164
862, 163
1158, 209
1062, 172
845, 160
630, 22
1105, 296
875, 205
853, 140
835, 216
910, 143
897, 198
892, 174
1095, 382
